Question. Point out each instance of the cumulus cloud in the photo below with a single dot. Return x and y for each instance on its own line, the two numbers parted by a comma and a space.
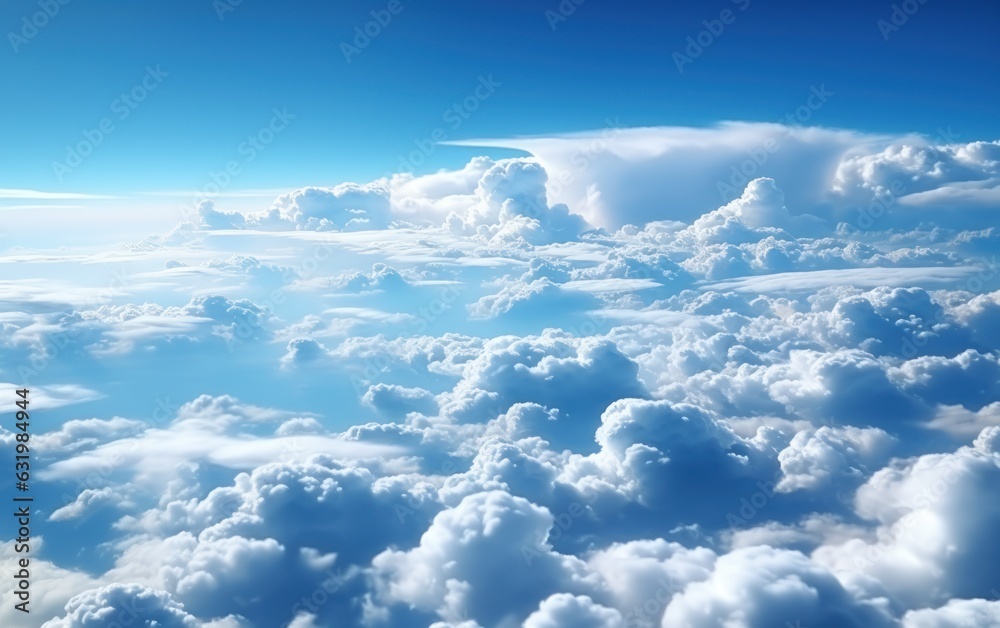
917, 167
579, 377
473, 561
391, 399
563, 609
512, 207
762, 586
637, 175
744, 375
955, 613
933, 540
123, 604
621, 176
816, 458
348, 206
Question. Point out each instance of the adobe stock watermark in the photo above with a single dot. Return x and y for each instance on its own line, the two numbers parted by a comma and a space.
375, 367
899, 16
58, 342
122, 107
248, 150
163, 412
583, 157
562, 12
650, 612
454, 116
328, 588
986, 271
748, 169
561, 523
947, 136
223, 7
246, 326
889, 195
879, 205
32, 25
750, 507
920, 505
365, 33
697, 44
410, 505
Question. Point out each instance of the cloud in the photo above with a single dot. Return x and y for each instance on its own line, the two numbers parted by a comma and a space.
35, 194
617, 176
206, 430
471, 562
815, 459
348, 206
430, 198
528, 298
958, 421
123, 604
303, 351
763, 586
934, 539
579, 377
391, 399
955, 613
916, 167
632, 176
512, 207
85, 501
858, 277
758, 386
563, 609
52, 396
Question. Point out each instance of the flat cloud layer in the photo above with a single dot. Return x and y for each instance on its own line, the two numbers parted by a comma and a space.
741, 376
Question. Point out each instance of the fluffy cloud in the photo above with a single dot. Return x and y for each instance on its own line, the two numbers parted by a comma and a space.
486, 559
955, 613
512, 207
916, 167
207, 430
934, 538
763, 394
620, 176
762, 586
578, 377
398, 400
347, 206
831, 456
123, 605
563, 609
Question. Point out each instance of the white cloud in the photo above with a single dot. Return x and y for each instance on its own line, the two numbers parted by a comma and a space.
817, 458
955, 613
35, 194
858, 277
499, 415
206, 430
934, 539
123, 604
762, 586
486, 559
620, 176
563, 609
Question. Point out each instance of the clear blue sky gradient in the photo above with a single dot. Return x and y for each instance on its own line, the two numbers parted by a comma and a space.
355, 120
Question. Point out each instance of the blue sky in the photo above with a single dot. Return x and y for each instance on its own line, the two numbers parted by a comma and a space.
355, 120
593, 314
